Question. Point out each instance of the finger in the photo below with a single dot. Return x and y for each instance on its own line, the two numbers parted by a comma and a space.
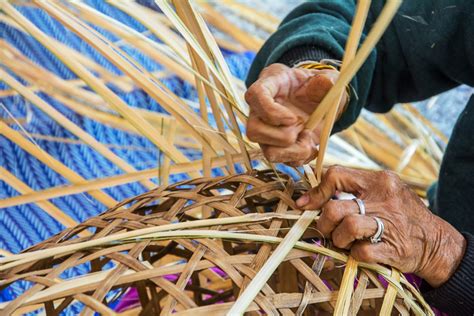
336, 178
365, 251
302, 150
261, 99
262, 133
316, 88
333, 213
353, 227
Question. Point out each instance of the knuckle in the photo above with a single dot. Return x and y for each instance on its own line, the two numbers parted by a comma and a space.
336, 240
253, 131
331, 211
292, 136
271, 154
251, 93
334, 171
288, 139
363, 253
309, 149
276, 67
352, 225
390, 178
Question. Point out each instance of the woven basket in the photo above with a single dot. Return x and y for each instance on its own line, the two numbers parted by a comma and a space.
161, 250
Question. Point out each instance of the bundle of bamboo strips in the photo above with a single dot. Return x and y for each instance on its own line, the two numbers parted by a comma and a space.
400, 141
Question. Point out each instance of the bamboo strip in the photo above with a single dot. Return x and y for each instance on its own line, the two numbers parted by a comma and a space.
63, 90
218, 20
175, 43
160, 30
55, 85
51, 162
390, 296
219, 71
205, 39
417, 129
358, 295
283, 300
234, 99
346, 288
245, 299
254, 16
106, 75
158, 91
352, 43
149, 232
136, 120
102, 183
93, 280
134, 38
382, 148
164, 169
374, 35
69, 125
75, 141
386, 273
213, 101
409, 107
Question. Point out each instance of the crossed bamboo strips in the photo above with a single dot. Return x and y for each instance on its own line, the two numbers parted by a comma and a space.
180, 262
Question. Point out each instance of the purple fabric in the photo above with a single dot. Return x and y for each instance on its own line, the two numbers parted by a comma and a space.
128, 300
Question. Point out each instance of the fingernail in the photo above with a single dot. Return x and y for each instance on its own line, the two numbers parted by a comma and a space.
302, 201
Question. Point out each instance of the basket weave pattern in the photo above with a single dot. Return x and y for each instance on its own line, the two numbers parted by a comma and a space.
200, 269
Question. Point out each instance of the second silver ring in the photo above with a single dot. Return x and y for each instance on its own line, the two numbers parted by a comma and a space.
361, 205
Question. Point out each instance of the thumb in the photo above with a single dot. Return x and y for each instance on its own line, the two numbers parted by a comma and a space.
318, 86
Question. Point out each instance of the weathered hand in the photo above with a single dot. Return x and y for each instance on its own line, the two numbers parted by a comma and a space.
414, 240
281, 101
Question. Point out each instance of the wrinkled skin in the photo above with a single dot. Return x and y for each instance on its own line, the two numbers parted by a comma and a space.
280, 102
414, 240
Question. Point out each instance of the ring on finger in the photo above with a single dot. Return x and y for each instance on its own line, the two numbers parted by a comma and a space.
361, 205
377, 237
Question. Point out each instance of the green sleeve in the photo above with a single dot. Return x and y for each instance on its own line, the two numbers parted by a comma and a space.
427, 49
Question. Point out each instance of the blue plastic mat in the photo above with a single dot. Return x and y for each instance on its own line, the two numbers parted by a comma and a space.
26, 225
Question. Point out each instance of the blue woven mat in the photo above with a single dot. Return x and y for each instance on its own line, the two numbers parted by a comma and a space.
26, 225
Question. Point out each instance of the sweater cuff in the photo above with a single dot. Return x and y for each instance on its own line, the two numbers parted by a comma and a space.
303, 53
455, 296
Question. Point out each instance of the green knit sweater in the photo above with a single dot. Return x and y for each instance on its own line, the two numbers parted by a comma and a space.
427, 49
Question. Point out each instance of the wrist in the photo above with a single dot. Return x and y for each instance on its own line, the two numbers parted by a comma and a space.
444, 253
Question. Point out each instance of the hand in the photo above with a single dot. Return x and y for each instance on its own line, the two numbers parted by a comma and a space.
281, 101
414, 239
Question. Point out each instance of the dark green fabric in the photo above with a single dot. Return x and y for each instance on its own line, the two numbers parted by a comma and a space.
454, 200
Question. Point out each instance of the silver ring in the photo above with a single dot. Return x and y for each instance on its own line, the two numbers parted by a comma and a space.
377, 237
361, 205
